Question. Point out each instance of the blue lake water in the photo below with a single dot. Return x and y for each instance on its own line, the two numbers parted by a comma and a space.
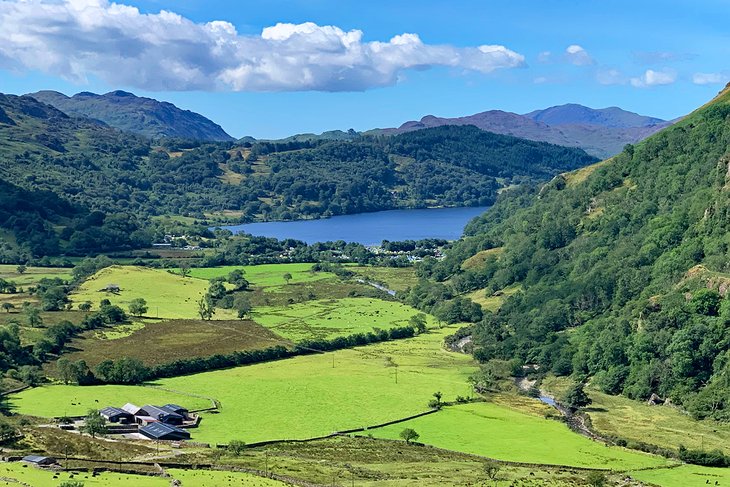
370, 228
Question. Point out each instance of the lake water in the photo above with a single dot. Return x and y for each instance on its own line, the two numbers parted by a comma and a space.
370, 228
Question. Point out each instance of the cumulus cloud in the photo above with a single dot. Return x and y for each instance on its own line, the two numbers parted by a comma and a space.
709, 78
654, 78
575, 54
165, 51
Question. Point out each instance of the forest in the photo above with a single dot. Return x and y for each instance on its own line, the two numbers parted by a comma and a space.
623, 270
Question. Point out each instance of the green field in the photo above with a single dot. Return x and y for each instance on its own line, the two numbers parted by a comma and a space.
685, 476
58, 400
499, 432
265, 275
32, 275
189, 478
168, 295
330, 318
295, 398
664, 426
395, 278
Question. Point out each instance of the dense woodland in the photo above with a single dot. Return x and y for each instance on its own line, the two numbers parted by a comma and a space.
624, 272
124, 179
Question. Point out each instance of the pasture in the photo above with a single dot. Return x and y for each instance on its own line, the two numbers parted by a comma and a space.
499, 432
295, 398
59, 400
29, 278
685, 476
265, 275
190, 478
328, 318
168, 295
395, 278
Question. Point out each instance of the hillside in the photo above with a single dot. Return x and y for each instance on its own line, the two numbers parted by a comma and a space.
606, 259
601, 133
107, 170
139, 115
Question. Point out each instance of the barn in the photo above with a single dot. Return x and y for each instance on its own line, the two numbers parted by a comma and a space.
117, 415
39, 460
161, 431
163, 415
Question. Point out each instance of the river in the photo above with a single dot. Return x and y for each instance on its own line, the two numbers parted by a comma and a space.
370, 228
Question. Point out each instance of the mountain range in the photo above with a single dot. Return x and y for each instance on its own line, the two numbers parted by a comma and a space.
600, 132
136, 114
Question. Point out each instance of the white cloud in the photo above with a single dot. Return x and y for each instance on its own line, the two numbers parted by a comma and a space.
654, 78
545, 57
575, 54
165, 51
709, 78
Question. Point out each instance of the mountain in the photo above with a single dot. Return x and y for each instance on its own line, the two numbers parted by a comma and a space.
601, 133
574, 114
621, 269
139, 115
107, 170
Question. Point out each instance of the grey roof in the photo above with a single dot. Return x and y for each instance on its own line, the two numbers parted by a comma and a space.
158, 430
174, 407
131, 408
112, 411
38, 459
158, 412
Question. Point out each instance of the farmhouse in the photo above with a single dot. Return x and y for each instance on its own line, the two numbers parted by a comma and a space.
161, 431
117, 415
39, 460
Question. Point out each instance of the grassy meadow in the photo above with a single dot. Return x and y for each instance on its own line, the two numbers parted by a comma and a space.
496, 431
685, 476
59, 400
395, 278
294, 398
265, 275
168, 295
330, 318
29, 278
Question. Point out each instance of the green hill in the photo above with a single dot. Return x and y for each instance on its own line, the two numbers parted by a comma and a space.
607, 262
135, 114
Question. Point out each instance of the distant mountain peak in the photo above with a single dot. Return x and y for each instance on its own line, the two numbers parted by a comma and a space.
131, 113
600, 132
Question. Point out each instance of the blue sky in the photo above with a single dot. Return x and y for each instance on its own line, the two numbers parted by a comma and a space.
656, 58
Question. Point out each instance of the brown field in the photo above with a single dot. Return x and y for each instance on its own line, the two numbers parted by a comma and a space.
164, 341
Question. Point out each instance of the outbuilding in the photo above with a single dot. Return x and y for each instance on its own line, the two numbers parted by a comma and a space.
163, 415
117, 415
177, 409
39, 460
161, 431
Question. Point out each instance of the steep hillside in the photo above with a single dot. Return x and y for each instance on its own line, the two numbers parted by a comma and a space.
601, 133
606, 259
139, 115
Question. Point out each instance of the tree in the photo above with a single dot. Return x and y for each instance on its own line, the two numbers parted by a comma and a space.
242, 305
184, 269
438, 395
7, 430
8, 306
94, 423
21, 269
706, 302
71, 483
409, 434
491, 470
85, 306
33, 315
287, 277
596, 479
576, 397
418, 321
236, 447
138, 307
63, 366
31, 375
206, 308
216, 290
236, 278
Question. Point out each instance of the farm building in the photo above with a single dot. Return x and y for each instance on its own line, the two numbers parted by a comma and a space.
161, 414
132, 409
117, 415
177, 409
39, 460
161, 431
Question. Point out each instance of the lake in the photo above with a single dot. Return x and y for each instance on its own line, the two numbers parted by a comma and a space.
370, 228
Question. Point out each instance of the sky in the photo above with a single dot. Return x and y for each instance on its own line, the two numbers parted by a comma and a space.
273, 68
